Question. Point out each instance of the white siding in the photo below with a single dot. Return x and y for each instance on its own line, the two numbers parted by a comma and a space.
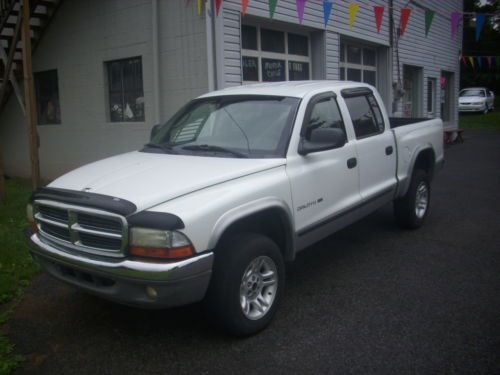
82, 36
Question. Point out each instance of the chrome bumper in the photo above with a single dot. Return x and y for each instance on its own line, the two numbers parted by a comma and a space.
131, 282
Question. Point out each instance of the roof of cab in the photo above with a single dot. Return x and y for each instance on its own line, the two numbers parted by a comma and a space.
297, 89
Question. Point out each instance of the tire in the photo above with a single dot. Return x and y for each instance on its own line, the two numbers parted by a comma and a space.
412, 209
237, 297
486, 108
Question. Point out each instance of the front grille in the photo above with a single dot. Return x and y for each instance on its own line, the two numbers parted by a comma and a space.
82, 229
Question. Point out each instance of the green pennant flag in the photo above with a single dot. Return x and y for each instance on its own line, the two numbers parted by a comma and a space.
429, 17
272, 7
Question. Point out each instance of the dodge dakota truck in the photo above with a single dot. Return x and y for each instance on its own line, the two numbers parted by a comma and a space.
229, 189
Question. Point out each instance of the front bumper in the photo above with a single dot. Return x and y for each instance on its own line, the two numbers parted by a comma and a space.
471, 107
131, 282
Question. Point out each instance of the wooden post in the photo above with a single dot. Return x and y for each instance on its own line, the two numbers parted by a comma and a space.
2, 180
29, 97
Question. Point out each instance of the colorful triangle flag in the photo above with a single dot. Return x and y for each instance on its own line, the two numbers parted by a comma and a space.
200, 7
327, 10
300, 9
479, 62
429, 17
480, 18
379, 15
218, 3
405, 16
464, 62
490, 62
471, 60
455, 23
272, 7
244, 6
353, 12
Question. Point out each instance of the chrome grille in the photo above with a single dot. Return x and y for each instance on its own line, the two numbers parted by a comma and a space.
82, 229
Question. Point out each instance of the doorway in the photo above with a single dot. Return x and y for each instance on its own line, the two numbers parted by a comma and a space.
447, 83
413, 91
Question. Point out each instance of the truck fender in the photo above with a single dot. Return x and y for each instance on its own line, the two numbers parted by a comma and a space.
246, 211
404, 184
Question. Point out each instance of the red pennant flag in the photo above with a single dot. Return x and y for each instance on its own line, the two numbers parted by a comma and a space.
218, 3
244, 6
379, 15
464, 61
405, 16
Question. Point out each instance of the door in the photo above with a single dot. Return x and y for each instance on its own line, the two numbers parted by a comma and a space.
375, 147
323, 183
412, 85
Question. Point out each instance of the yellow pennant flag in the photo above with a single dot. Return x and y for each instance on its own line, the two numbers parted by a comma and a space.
471, 59
353, 12
200, 7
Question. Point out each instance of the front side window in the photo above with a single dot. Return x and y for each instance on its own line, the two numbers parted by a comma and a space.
229, 126
47, 97
125, 90
365, 114
325, 114
269, 55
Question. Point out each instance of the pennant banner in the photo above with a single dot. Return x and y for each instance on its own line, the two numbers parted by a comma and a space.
429, 17
327, 10
300, 9
480, 18
479, 62
272, 7
490, 61
217, 6
405, 16
379, 15
455, 22
471, 60
464, 62
244, 6
353, 13
200, 7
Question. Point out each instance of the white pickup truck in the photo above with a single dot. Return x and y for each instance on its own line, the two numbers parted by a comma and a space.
231, 187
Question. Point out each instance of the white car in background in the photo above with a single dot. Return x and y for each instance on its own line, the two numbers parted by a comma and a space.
476, 99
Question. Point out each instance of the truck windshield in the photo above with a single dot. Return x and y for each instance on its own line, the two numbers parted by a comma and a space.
229, 126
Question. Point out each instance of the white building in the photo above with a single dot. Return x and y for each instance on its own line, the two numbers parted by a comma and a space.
106, 71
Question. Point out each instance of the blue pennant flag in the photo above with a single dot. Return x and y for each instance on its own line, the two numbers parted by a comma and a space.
327, 9
480, 18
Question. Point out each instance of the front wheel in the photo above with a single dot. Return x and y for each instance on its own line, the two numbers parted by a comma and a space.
247, 284
411, 210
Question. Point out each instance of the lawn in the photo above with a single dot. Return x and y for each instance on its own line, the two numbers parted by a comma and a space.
490, 120
16, 265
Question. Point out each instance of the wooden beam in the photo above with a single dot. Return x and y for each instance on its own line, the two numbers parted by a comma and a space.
29, 98
13, 80
2, 179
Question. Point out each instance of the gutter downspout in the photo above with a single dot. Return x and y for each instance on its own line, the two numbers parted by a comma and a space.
211, 48
156, 61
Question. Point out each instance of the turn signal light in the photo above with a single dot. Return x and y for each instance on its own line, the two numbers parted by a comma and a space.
162, 252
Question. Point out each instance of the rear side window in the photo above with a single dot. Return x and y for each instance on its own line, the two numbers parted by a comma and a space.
366, 116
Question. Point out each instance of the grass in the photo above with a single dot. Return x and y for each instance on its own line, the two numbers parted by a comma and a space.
16, 265
490, 120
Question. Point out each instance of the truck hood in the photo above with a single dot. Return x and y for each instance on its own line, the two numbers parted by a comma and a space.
148, 179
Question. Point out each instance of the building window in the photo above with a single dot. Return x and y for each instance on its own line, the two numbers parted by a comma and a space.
273, 55
47, 98
358, 63
431, 97
126, 95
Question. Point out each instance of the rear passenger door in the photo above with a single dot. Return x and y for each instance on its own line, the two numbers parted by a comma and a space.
375, 144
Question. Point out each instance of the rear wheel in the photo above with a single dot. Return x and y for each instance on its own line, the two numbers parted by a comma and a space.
247, 284
411, 210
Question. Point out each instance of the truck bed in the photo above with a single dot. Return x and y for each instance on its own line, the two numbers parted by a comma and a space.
396, 122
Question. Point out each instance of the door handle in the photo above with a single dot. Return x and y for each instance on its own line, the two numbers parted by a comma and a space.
388, 150
351, 163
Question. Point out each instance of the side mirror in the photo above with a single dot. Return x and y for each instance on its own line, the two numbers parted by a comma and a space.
154, 131
322, 139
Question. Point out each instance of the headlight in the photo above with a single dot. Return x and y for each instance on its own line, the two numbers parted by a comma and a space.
159, 244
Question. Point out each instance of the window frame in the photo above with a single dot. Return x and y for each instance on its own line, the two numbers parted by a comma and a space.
344, 65
433, 82
260, 54
109, 92
36, 80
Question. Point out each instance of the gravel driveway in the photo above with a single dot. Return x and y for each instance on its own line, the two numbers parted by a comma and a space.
370, 299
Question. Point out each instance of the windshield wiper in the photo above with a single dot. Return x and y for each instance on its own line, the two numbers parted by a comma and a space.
215, 149
161, 146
